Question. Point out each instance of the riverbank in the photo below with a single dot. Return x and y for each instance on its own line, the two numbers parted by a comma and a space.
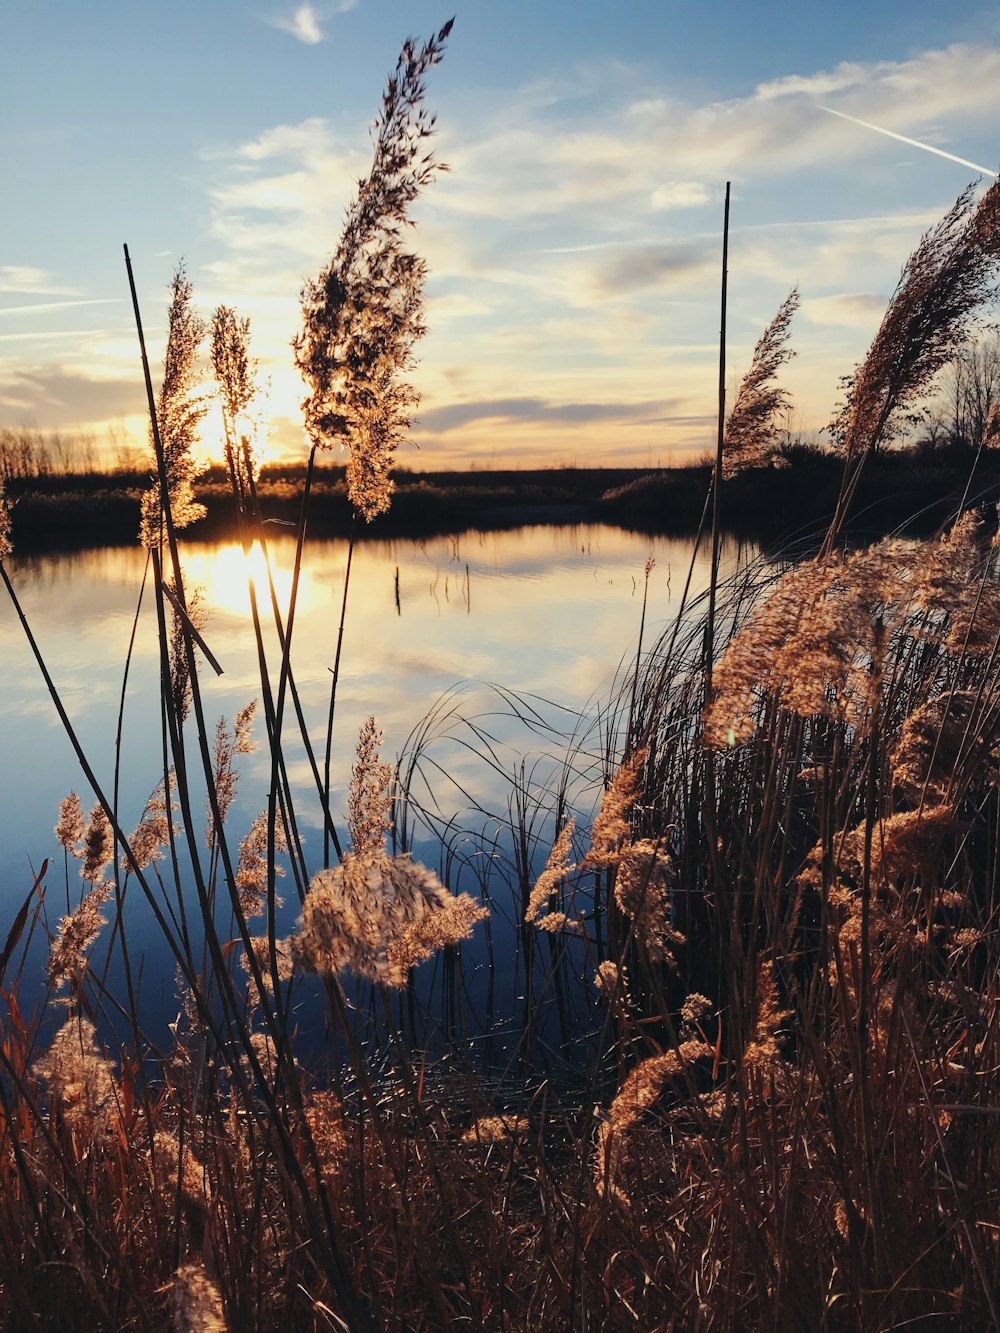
911, 489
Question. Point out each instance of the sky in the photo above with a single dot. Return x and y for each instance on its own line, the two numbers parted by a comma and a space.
574, 245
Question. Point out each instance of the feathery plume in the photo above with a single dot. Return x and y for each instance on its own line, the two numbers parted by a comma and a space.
178, 414
611, 983
76, 933
177, 1174
643, 886
180, 680
814, 638
78, 1075
6, 545
643, 1085
229, 744
363, 313
496, 1129
325, 1117
69, 830
943, 284
763, 1051
377, 914
251, 868
611, 827
152, 831
557, 867
369, 798
931, 744
752, 429
694, 1011
235, 374
380, 916
638, 1095
262, 952
98, 845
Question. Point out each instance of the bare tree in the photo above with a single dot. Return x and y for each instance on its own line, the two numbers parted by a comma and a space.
972, 387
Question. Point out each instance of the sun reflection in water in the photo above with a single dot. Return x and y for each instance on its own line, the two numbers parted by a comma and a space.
225, 572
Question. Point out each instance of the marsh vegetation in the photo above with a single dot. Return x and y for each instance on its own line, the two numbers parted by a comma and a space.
752, 1077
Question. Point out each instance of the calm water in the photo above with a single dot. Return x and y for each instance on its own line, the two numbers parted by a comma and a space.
452, 629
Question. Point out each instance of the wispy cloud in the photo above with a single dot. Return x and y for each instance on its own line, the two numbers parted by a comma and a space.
45, 307
860, 309
50, 335
25, 280
303, 24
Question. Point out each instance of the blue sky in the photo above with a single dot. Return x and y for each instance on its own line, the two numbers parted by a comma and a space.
572, 301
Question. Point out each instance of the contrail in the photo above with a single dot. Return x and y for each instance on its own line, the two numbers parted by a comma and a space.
914, 143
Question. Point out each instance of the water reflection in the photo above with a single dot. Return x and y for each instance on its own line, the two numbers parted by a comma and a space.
542, 612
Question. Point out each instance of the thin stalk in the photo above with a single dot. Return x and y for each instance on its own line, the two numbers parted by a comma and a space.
333, 685
719, 445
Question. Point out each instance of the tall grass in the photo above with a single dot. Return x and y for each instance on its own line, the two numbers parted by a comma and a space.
750, 1072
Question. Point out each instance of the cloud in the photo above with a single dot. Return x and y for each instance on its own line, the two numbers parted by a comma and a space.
860, 309
680, 194
58, 397
845, 75
640, 267
574, 247
25, 280
537, 410
48, 306
303, 25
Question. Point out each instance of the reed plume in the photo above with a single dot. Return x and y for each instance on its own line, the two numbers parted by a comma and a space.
363, 313
376, 914
611, 829
228, 745
235, 373
79, 1076
77, 932
251, 868
752, 430
611, 984
644, 882
814, 640
153, 829
180, 678
6, 544
943, 285
70, 828
179, 412
554, 874
98, 845
369, 798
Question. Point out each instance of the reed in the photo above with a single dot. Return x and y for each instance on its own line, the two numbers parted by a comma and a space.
750, 1071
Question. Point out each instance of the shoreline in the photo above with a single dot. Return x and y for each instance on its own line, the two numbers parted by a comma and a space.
776, 506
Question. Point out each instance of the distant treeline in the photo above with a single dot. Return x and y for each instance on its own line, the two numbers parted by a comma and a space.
916, 488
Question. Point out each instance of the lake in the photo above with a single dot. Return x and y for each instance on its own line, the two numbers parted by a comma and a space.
498, 650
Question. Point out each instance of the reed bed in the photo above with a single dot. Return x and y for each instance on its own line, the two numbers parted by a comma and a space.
745, 1072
